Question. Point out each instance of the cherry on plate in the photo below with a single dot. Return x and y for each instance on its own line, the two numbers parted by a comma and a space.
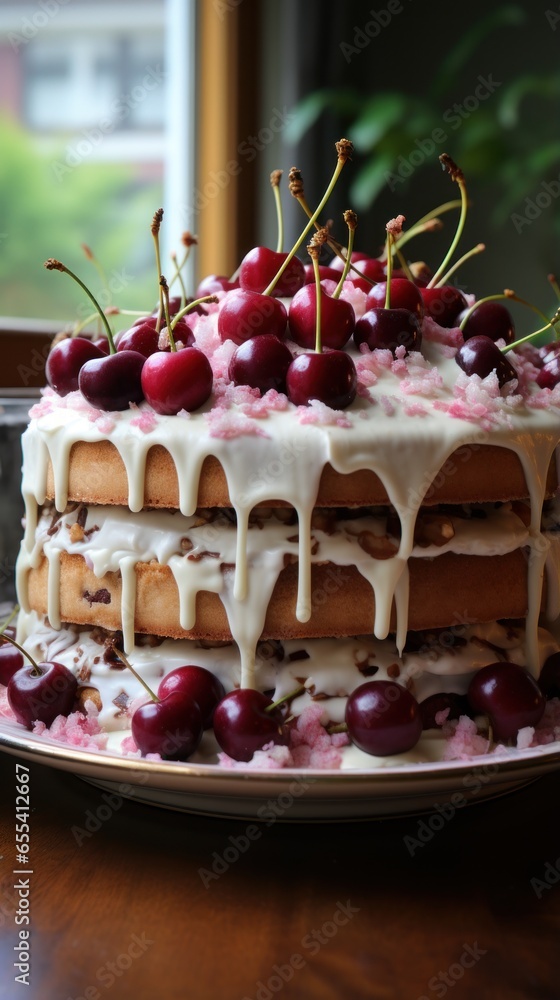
171, 727
383, 718
40, 692
242, 725
509, 696
199, 685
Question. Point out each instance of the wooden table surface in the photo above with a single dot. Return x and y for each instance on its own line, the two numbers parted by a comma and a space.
341, 911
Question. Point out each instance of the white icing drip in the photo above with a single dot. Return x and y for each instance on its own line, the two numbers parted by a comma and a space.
402, 593
134, 454
240, 584
53, 589
303, 606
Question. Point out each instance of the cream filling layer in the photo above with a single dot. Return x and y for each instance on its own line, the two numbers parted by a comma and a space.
111, 539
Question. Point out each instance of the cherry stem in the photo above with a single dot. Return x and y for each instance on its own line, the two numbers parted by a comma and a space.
335, 246
447, 206
156, 223
165, 293
55, 265
550, 323
314, 254
9, 619
127, 663
479, 248
286, 697
509, 294
129, 312
340, 728
8, 638
81, 326
343, 156
554, 283
192, 305
179, 276
479, 302
456, 175
389, 270
275, 183
404, 263
347, 263
98, 267
430, 226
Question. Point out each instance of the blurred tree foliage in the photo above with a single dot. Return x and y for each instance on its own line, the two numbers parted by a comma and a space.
42, 215
512, 141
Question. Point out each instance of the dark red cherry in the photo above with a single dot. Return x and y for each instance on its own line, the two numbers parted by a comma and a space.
490, 319
199, 685
397, 272
142, 338
329, 377
174, 306
383, 718
261, 362
456, 703
371, 268
549, 375
41, 693
102, 343
324, 273
337, 319
259, 267
242, 725
388, 329
171, 727
337, 263
404, 295
549, 680
178, 380
214, 283
148, 320
480, 356
113, 382
509, 696
11, 660
66, 360
444, 304
182, 331
246, 314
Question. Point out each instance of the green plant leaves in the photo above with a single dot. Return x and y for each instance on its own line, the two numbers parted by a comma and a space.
513, 140
370, 179
530, 84
379, 114
346, 101
510, 15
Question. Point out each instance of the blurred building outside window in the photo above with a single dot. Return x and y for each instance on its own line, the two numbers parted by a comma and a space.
95, 108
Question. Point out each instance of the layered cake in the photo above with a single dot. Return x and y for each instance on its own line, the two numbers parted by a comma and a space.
301, 550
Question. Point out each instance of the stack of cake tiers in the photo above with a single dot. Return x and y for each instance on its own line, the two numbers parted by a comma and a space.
275, 544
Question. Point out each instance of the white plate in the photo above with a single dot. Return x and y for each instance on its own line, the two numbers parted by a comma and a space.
291, 795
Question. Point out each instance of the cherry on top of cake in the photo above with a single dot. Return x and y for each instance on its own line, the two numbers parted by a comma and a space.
162, 361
